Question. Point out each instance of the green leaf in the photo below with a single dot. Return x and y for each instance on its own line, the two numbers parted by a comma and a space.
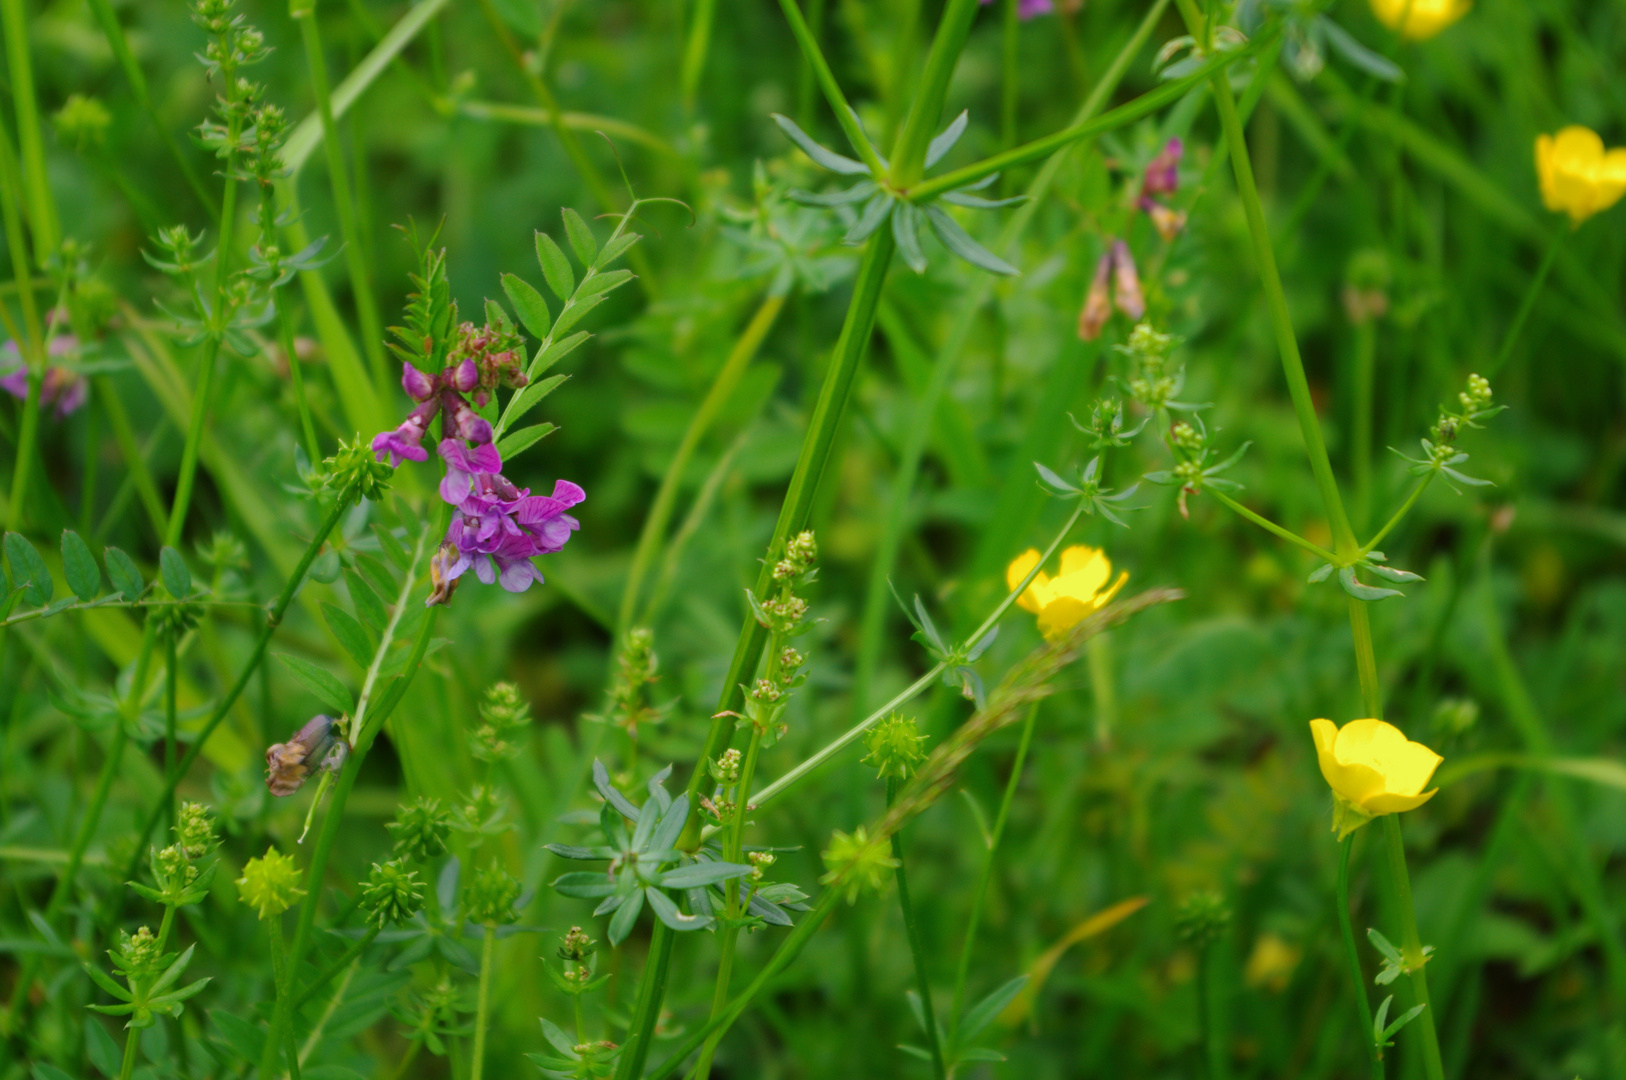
960, 243
584, 885
615, 249
391, 547
1384, 946
625, 916
980, 1015
581, 237
1353, 586
845, 197
945, 140
576, 312
349, 632
321, 683
1401, 1021
828, 158
696, 875
29, 570
603, 283
546, 358
874, 216
532, 394
377, 574
517, 442
122, 572
906, 231
240, 1036
528, 303
79, 566
172, 568
366, 601
555, 267
667, 912
103, 1052
43, 1071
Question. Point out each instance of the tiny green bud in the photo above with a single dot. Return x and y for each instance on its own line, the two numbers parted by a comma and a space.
1201, 918
393, 894
857, 861
270, 883
896, 747
420, 829
491, 896
576, 946
355, 473
195, 830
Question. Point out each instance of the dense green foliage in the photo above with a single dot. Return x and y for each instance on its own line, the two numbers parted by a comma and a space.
1133, 820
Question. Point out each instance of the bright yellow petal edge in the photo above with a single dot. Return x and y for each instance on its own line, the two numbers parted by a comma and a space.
1372, 768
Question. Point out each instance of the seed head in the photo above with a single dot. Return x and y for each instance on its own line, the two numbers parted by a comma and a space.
270, 883
896, 747
393, 893
420, 829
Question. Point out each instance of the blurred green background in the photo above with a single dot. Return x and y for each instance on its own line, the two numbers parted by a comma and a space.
1200, 776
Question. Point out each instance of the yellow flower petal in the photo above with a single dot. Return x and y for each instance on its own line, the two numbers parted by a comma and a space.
1578, 177
1083, 571
1423, 18
1061, 615
1106, 598
1396, 804
1037, 594
1355, 782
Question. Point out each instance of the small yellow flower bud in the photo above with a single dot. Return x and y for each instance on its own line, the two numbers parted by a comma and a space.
270, 883
1373, 769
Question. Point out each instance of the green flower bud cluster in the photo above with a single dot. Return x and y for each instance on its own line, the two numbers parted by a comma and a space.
575, 946
136, 954
393, 893
270, 883
857, 861
82, 120
195, 830
502, 713
725, 769
636, 668
353, 472
1201, 918
896, 747
760, 861
420, 829
485, 814
490, 897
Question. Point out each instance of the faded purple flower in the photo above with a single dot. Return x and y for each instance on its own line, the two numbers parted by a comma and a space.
1098, 301
1126, 291
405, 443
464, 377
59, 387
468, 423
1163, 174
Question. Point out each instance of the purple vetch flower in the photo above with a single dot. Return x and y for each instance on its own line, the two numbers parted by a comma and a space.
405, 443
499, 528
1098, 301
463, 465
418, 386
465, 376
1030, 9
1126, 291
468, 423
1163, 173
1168, 221
59, 387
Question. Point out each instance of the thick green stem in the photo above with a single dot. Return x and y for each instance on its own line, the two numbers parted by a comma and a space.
36, 185
1529, 301
1353, 958
482, 1004
1298, 385
132, 1040
171, 679
1010, 80
372, 327
660, 511
909, 152
917, 947
963, 971
1411, 946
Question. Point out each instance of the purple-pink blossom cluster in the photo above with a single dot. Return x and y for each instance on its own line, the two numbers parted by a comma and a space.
497, 527
1116, 282
62, 390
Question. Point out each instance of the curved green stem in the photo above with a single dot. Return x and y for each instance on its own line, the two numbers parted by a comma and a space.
1405, 508
809, 45
1529, 302
917, 948
1353, 958
1270, 526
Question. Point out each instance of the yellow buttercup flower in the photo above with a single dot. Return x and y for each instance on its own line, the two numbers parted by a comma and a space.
1422, 18
1578, 176
1373, 769
1064, 601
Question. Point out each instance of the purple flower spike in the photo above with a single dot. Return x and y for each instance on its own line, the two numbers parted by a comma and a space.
419, 387
1163, 174
468, 423
463, 465
405, 443
70, 392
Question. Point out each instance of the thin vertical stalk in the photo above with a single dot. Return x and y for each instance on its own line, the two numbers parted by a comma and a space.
120, 44
1353, 958
695, 48
660, 511
1411, 946
482, 1004
1209, 1049
917, 948
170, 680
1529, 301
909, 152
36, 185
32, 345
963, 970
1010, 77
1365, 347
372, 327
